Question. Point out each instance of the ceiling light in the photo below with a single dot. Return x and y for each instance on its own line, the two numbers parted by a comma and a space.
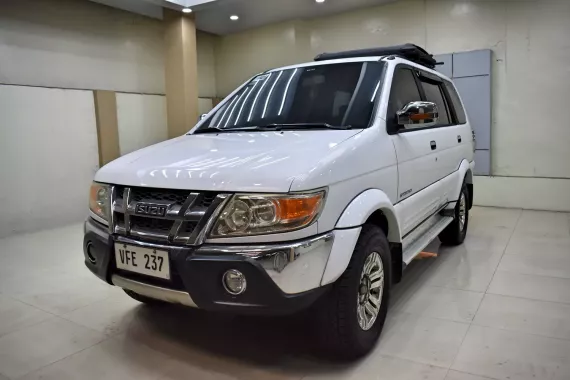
187, 10
320, 1
234, 17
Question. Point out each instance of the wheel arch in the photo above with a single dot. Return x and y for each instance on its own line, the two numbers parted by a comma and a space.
465, 176
370, 207
469, 183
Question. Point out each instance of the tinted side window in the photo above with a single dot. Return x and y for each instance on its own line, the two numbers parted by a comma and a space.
459, 111
434, 94
404, 90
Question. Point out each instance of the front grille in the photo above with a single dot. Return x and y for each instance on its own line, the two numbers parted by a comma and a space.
177, 217
153, 195
151, 224
207, 199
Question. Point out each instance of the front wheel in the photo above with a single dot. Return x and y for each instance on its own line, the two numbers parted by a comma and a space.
455, 232
352, 315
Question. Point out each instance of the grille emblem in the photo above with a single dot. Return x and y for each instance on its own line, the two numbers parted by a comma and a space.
151, 209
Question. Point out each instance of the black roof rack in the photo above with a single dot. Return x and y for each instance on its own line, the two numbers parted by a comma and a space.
410, 52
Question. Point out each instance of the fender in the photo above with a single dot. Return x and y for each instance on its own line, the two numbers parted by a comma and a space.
361, 207
348, 229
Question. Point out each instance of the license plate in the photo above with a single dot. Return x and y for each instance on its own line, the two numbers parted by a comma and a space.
152, 262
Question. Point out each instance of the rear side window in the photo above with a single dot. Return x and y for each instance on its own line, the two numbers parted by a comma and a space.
434, 94
404, 90
457, 106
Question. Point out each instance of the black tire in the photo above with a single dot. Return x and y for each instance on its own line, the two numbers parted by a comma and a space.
339, 330
455, 232
144, 299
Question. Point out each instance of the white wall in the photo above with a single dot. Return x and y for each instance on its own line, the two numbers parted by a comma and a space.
48, 156
530, 41
141, 121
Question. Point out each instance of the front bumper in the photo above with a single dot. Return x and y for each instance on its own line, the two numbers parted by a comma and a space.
281, 278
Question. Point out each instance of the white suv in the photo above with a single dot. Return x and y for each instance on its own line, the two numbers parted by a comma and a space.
312, 185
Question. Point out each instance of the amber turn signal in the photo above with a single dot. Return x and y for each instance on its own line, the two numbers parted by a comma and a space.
293, 209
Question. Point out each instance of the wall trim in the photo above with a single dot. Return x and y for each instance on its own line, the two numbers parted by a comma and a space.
552, 194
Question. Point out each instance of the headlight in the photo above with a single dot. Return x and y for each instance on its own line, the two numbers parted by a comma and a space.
100, 200
254, 214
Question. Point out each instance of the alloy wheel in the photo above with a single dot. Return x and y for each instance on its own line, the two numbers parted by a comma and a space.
370, 291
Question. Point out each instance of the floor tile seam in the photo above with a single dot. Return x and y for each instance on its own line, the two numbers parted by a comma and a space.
57, 361
485, 292
504, 250
531, 274
430, 316
474, 374
528, 298
520, 332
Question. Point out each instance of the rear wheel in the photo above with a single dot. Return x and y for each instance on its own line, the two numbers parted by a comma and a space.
455, 232
353, 313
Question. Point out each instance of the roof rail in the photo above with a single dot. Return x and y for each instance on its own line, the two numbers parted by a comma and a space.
410, 52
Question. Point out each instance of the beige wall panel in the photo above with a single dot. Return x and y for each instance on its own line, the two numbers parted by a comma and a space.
390, 24
205, 45
181, 72
79, 44
107, 126
240, 56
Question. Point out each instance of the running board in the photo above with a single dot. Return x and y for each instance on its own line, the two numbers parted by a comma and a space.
424, 234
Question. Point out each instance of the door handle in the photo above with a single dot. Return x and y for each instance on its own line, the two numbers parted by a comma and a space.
458, 138
433, 145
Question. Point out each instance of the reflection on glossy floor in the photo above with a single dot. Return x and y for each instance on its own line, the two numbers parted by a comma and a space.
496, 307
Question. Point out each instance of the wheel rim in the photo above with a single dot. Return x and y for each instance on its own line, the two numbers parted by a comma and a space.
462, 211
370, 291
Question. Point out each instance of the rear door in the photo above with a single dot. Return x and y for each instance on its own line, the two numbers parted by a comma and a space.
452, 134
417, 153
448, 139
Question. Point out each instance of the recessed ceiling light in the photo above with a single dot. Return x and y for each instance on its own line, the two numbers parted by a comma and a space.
187, 10
234, 17
320, 1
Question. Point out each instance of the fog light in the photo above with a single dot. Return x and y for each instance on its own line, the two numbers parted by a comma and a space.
90, 255
234, 282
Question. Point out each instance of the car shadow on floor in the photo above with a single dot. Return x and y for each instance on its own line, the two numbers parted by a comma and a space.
287, 344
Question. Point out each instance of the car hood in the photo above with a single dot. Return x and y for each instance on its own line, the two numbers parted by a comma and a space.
252, 162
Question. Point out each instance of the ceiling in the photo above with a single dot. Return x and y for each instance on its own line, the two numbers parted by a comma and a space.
213, 15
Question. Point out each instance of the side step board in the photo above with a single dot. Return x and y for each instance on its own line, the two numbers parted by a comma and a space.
424, 234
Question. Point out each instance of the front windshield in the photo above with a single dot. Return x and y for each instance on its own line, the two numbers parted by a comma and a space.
332, 95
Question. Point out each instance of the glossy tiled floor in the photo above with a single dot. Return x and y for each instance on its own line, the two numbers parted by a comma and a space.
496, 307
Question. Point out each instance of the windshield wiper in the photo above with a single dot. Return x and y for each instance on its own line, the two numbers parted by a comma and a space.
273, 127
222, 130
281, 127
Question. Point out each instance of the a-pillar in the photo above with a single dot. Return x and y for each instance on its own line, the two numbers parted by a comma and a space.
181, 72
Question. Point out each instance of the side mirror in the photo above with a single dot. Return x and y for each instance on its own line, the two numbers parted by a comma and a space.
203, 116
417, 114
